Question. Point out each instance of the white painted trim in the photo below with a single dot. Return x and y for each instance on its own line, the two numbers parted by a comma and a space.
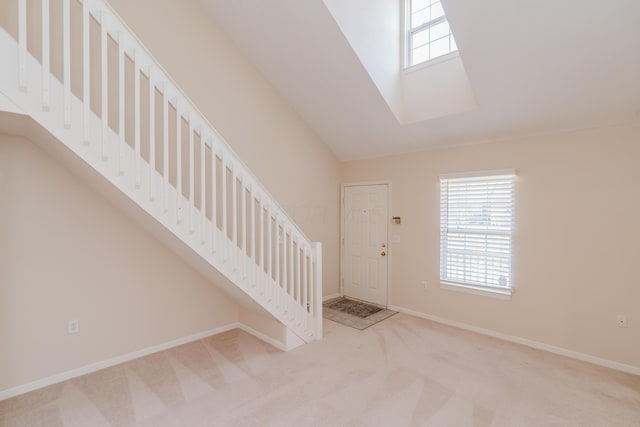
479, 174
330, 297
635, 370
93, 367
389, 251
503, 294
266, 338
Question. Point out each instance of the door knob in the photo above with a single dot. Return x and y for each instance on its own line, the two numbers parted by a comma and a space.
383, 253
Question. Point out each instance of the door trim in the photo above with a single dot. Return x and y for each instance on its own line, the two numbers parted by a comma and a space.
389, 250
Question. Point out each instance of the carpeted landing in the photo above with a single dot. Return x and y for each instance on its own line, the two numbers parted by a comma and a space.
355, 314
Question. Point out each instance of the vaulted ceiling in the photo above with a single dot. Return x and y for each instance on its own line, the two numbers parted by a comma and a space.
532, 66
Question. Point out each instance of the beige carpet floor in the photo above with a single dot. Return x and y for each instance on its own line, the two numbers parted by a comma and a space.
401, 372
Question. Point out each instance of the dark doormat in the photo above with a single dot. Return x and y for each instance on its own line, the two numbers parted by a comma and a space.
355, 308
355, 314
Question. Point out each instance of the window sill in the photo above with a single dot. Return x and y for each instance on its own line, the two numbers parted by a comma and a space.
498, 293
430, 63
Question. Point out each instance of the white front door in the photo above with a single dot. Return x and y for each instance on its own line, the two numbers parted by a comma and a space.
365, 247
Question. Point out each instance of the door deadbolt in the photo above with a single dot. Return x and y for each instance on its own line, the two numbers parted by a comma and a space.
384, 246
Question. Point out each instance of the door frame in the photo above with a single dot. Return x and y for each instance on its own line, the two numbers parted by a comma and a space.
342, 217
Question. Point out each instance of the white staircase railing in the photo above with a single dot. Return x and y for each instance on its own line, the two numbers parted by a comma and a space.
143, 134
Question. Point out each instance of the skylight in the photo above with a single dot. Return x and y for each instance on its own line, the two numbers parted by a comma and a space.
429, 35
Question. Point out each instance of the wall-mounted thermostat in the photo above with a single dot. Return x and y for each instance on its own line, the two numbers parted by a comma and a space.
396, 220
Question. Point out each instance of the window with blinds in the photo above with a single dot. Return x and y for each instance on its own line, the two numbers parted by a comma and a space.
476, 228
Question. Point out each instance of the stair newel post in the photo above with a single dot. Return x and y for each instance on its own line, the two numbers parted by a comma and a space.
152, 136
317, 290
46, 57
66, 61
104, 85
22, 45
192, 175
121, 103
86, 76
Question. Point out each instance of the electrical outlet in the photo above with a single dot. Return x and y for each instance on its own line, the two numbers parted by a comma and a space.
622, 321
423, 285
74, 326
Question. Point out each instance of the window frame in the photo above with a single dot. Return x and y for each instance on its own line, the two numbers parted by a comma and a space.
487, 289
408, 39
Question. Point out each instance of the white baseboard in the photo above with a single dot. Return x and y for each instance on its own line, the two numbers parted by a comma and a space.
635, 370
332, 296
44, 382
266, 338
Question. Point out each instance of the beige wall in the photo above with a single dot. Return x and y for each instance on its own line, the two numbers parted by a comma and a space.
291, 161
66, 253
577, 237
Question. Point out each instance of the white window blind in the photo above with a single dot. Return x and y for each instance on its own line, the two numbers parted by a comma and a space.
476, 227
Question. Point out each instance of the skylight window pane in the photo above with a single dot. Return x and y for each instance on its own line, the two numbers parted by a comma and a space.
420, 38
438, 31
419, 17
436, 10
429, 34
421, 54
419, 4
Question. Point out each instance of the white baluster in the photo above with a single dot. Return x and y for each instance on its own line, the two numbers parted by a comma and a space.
152, 136
277, 264
252, 215
262, 231
305, 281
285, 269
66, 61
297, 287
290, 285
178, 162
46, 57
203, 204
192, 200
165, 147
317, 290
136, 118
86, 76
121, 103
22, 45
269, 254
225, 222
214, 199
234, 216
104, 84
243, 206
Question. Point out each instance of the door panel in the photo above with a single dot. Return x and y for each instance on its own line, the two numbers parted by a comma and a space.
365, 210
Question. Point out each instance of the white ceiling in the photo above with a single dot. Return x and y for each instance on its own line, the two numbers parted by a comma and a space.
534, 66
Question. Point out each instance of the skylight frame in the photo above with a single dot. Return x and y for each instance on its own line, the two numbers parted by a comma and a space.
410, 32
